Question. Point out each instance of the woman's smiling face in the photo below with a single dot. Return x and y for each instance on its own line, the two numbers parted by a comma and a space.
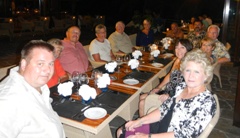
180, 50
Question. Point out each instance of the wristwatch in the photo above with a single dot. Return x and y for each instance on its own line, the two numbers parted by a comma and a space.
150, 135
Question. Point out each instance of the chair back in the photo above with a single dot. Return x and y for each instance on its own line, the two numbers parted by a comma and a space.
213, 122
133, 38
94, 63
5, 71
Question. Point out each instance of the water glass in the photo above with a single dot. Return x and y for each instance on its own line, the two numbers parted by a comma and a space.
75, 79
83, 78
126, 59
119, 62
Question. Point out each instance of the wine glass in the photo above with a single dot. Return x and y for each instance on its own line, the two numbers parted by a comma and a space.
119, 62
75, 79
126, 59
84, 78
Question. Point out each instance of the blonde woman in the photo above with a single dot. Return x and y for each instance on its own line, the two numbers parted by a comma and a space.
59, 75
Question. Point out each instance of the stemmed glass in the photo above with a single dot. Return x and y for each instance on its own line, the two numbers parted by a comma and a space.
83, 78
119, 62
75, 80
126, 59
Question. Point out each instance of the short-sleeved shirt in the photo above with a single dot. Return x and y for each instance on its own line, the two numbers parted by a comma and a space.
196, 39
120, 42
103, 49
58, 72
73, 58
220, 51
190, 116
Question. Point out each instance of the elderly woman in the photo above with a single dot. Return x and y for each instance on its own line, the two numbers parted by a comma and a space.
207, 46
60, 75
146, 35
188, 112
100, 49
171, 80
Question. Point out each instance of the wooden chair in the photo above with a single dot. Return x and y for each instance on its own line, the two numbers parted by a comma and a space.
94, 63
153, 103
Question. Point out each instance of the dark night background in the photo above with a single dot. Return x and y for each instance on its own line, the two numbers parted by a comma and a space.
115, 10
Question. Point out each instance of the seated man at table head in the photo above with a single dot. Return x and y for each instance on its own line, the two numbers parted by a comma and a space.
146, 35
59, 75
220, 51
100, 49
119, 40
73, 57
172, 79
188, 112
175, 32
25, 105
197, 35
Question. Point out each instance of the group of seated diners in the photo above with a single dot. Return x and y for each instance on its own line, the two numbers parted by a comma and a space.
187, 106
183, 87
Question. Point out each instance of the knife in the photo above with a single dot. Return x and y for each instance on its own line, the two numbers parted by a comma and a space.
82, 112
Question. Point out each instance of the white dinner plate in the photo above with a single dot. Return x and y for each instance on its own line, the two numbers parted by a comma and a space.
130, 81
95, 113
168, 54
158, 65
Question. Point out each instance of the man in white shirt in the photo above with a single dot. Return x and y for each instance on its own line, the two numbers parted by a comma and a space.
25, 106
119, 40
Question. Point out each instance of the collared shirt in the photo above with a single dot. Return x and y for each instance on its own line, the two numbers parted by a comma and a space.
196, 39
220, 50
120, 42
103, 49
25, 113
73, 58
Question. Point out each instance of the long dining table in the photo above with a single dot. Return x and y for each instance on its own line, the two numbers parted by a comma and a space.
120, 99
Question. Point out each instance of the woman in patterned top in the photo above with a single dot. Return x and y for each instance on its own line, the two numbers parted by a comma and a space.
172, 78
188, 112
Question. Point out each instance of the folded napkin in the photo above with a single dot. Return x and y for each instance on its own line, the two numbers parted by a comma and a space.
166, 42
136, 54
103, 81
153, 47
133, 63
65, 89
110, 67
155, 53
86, 92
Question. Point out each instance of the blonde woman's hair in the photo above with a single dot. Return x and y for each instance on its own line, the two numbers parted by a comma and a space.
199, 57
56, 43
210, 42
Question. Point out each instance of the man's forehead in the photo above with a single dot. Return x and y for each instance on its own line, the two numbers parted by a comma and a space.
74, 29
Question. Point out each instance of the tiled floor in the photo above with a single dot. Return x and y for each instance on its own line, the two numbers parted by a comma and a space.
9, 55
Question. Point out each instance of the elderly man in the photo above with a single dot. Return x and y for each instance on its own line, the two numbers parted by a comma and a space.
175, 32
119, 40
197, 34
220, 51
73, 57
25, 106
